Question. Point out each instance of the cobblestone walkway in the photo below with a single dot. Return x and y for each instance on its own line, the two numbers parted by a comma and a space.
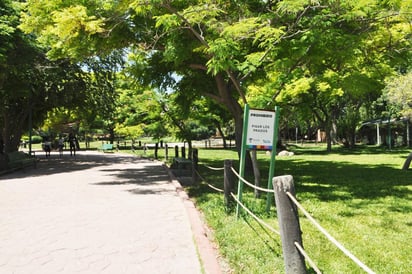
98, 213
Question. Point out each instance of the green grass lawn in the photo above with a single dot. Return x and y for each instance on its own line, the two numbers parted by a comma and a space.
361, 197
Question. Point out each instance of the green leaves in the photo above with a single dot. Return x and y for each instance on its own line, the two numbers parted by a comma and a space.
292, 6
223, 51
70, 21
398, 92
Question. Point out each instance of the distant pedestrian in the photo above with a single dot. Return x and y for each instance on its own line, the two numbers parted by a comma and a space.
61, 146
72, 144
47, 147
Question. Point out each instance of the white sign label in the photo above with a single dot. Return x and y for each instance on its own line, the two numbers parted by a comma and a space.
260, 129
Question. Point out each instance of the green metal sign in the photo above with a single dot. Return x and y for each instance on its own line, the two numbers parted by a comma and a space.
260, 130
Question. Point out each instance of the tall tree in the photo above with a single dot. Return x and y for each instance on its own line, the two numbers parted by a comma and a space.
310, 49
31, 85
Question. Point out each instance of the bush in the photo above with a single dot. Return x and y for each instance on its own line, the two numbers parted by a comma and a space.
35, 139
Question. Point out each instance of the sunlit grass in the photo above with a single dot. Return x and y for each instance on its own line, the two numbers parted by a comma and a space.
362, 198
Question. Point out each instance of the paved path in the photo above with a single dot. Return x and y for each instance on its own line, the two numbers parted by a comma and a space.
98, 213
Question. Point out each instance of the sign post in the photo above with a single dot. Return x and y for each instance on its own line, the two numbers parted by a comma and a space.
242, 158
259, 132
272, 159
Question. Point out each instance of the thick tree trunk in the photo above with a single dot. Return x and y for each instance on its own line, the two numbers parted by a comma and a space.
226, 98
13, 126
232, 104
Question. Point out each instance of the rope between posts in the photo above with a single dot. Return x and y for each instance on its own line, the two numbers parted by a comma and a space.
250, 184
333, 240
214, 168
209, 185
310, 261
254, 216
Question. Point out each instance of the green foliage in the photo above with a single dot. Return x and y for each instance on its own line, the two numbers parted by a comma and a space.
317, 58
398, 93
223, 52
291, 6
36, 139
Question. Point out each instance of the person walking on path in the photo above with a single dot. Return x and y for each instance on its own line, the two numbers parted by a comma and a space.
72, 144
61, 145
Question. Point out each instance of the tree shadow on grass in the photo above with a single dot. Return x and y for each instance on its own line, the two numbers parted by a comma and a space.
358, 181
329, 181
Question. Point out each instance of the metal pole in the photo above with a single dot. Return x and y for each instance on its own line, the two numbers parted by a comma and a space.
378, 137
229, 184
242, 157
269, 198
389, 132
30, 125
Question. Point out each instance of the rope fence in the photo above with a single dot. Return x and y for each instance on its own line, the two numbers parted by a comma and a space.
296, 244
254, 216
310, 261
324, 232
209, 185
250, 184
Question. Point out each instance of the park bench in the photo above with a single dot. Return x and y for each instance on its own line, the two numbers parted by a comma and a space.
19, 159
107, 148
182, 164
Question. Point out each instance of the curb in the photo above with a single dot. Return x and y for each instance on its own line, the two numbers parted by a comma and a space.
208, 253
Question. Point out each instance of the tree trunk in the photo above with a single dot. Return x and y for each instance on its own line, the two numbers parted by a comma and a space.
328, 133
190, 148
111, 135
232, 104
256, 171
219, 128
407, 162
13, 126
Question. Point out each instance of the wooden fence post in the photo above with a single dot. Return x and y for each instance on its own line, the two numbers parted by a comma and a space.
166, 152
195, 164
183, 152
156, 150
176, 151
229, 184
288, 225
407, 162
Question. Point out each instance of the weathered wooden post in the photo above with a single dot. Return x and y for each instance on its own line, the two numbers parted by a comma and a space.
156, 150
289, 225
195, 164
183, 152
229, 184
176, 151
166, 152
407, 162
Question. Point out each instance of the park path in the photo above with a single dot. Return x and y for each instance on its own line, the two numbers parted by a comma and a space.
96, 213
